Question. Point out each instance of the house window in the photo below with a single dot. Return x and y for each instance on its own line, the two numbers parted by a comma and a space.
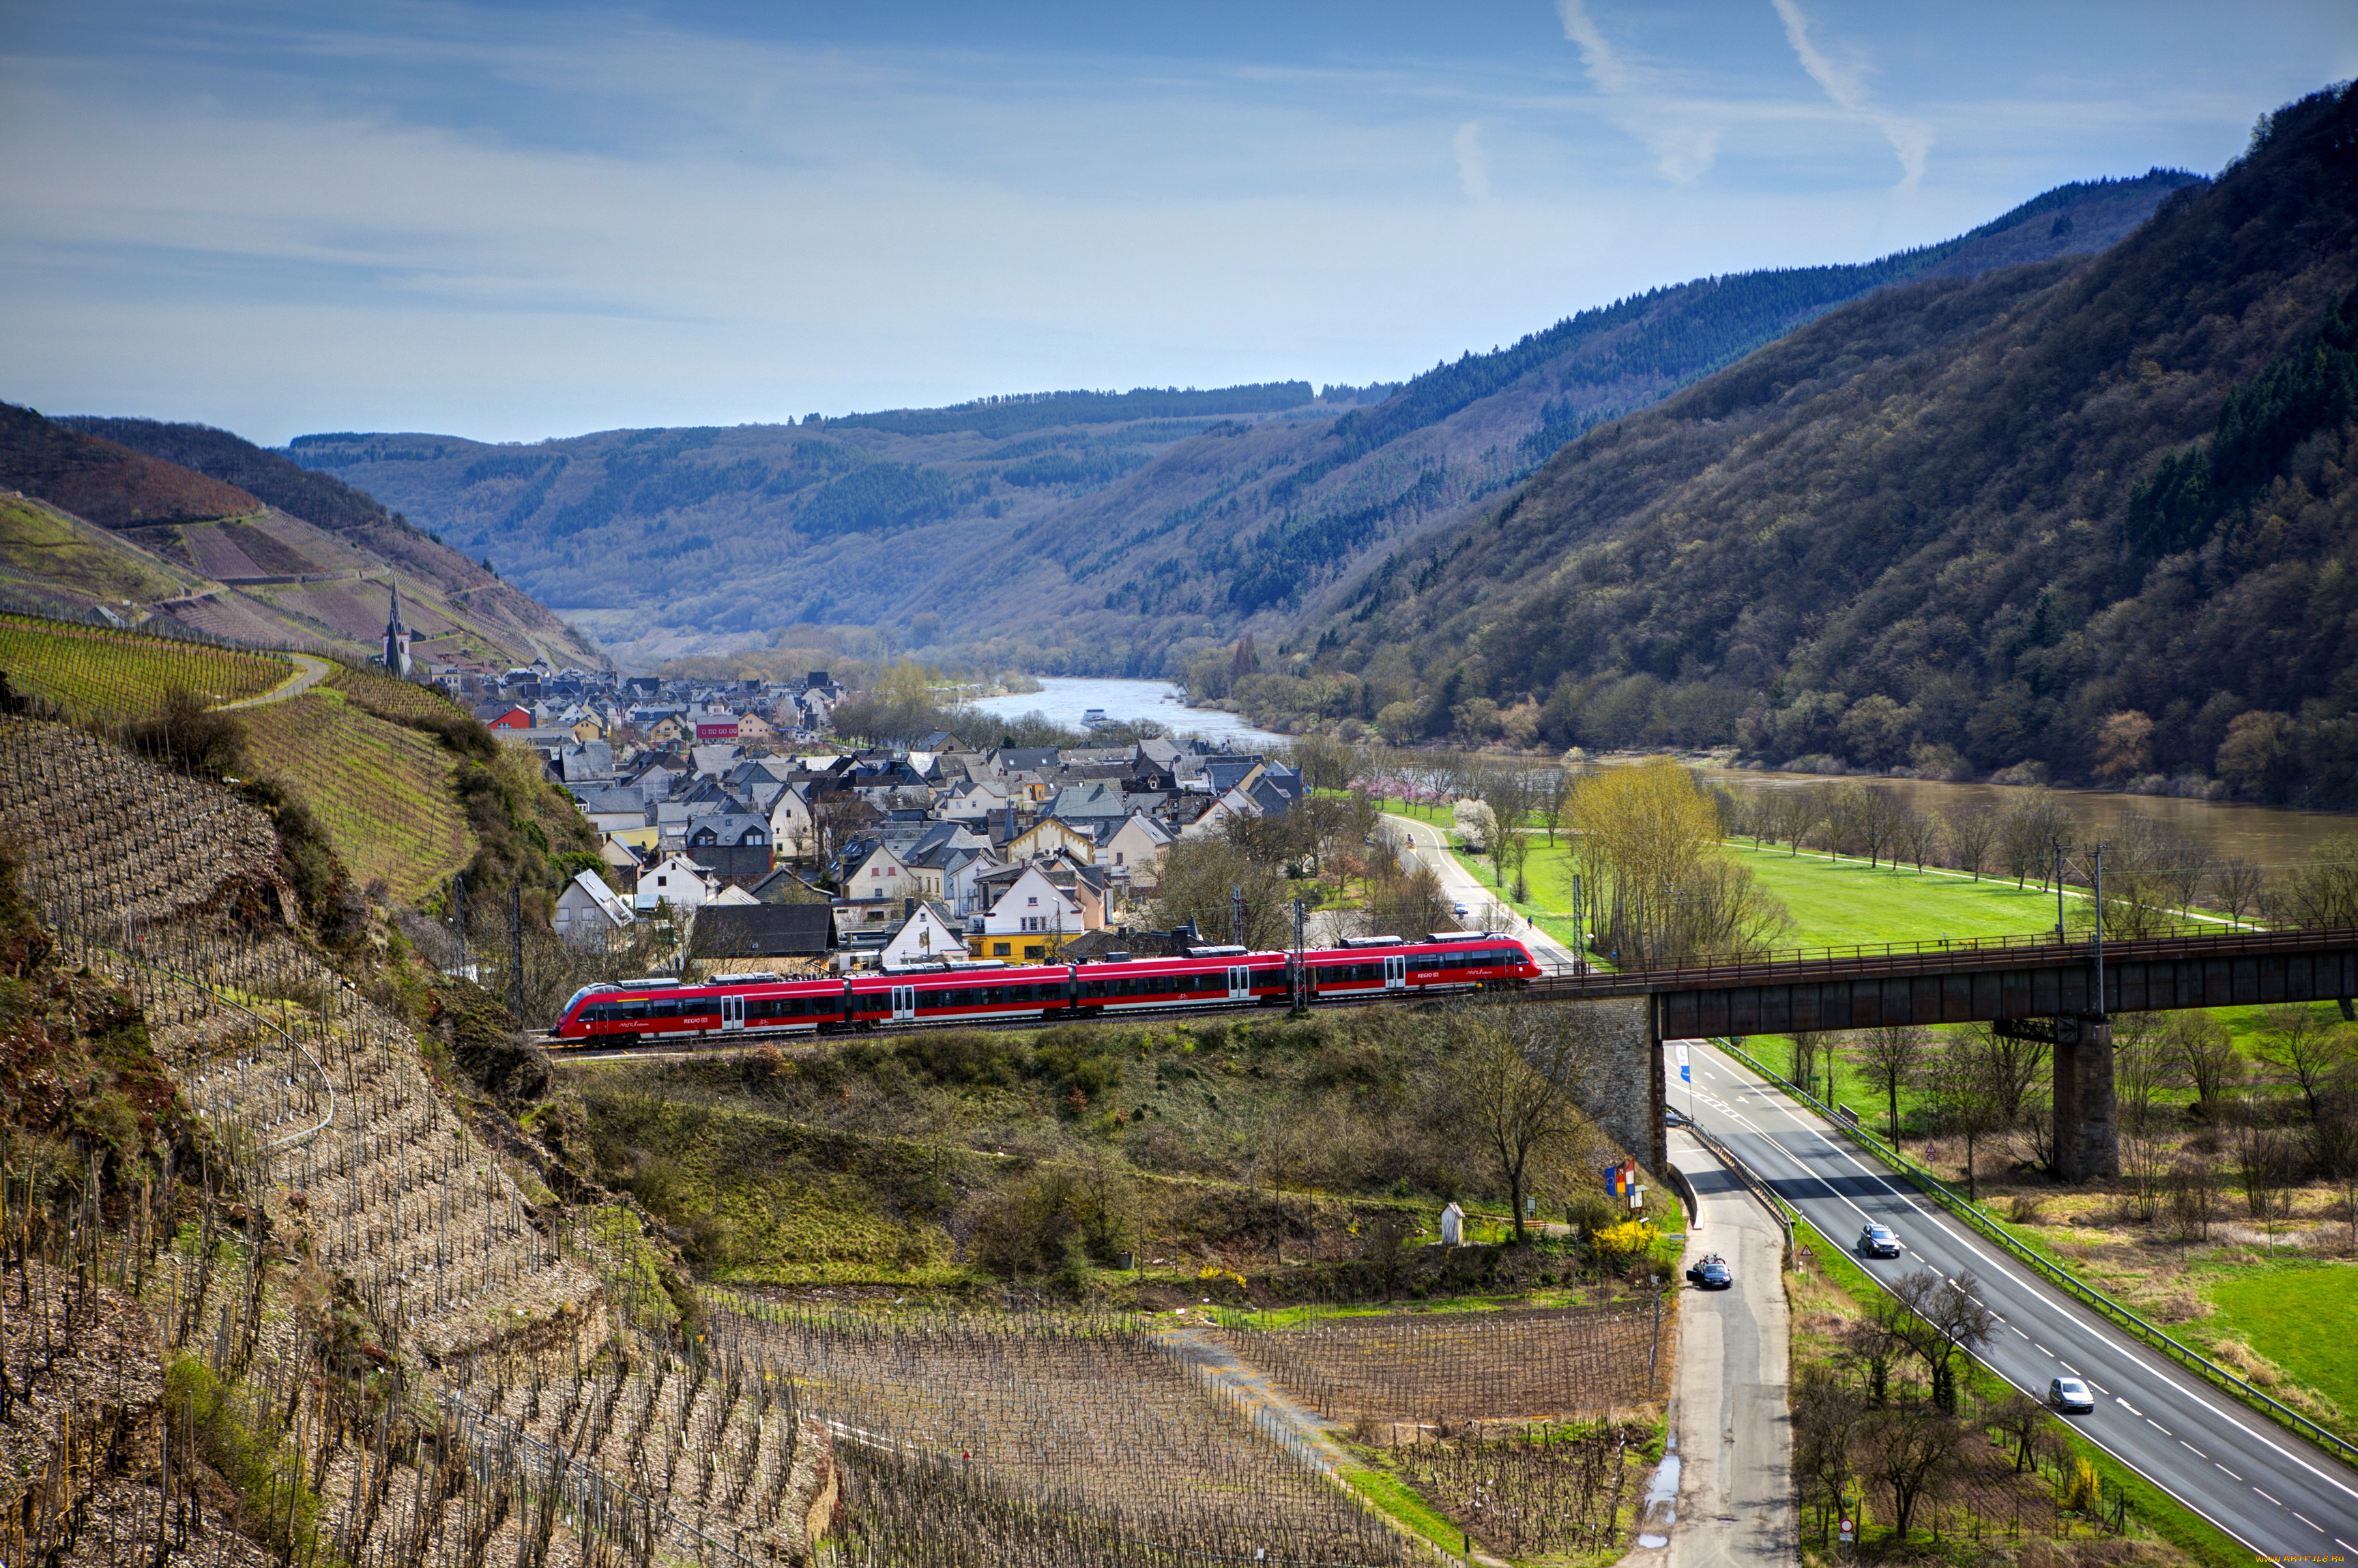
999, 949
1117, 856
1032, 902
1033, 949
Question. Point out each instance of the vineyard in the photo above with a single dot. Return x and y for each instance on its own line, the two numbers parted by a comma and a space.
382, 791
96, 674
400, 701
1054, 1440
1440, 1368
367, 1311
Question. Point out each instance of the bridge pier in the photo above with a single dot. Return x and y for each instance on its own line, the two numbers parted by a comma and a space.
2080, 1044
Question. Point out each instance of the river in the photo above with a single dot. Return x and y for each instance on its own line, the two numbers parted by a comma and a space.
1064, 699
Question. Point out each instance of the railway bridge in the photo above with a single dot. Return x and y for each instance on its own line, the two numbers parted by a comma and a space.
2063, 993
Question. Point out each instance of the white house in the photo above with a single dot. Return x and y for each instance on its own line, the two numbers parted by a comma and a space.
676, 881
926, 937
1028, 919
588, 912
1135, 850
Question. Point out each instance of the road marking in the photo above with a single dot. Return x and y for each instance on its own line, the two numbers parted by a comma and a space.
2041, 1348
2265, 1495
2017, 1333
2156, 1426
2067, 1365
2191, 1449
2176, 1387
2122, 1402
2343, 1544
2311, 1522
2224, 1470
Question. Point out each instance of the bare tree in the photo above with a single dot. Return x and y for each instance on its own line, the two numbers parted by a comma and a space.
2205, 1055
1943, 1324
1973, 833
1553, 792
2027, 834
1913, 1450
1827, 1415
2140, 1063
2238, 885
2011, 1069
1890, 1056
1968, 1106
1915, 836
1514, 1074
2333, 1151
2019, 1417
2306, 1047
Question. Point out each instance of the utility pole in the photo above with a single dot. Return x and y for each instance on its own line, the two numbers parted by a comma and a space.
1301, 971
2061, 850
1236, 914
458, 914
2100, 930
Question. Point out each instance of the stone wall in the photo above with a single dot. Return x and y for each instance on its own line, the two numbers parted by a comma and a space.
1624, 1091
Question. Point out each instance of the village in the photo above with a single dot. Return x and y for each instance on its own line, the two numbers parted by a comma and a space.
730, 821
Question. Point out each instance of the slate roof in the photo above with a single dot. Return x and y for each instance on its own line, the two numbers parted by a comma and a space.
765, 930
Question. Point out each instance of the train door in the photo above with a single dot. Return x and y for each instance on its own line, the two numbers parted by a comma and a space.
732, 1014
1240, 984
904, 1003
1396, 971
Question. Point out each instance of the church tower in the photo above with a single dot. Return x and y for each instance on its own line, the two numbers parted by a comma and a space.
397, 640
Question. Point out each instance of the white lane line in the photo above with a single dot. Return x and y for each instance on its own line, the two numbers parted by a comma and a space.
2067, 1365
2041, 1348
2311, 1522
2176, 1388
2017, 1333
2191, 1449
2265, 1495
2156, 1426
2343, 1544
2224, 1470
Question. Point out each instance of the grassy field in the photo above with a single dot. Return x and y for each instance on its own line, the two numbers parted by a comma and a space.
399, 701
2302, 1316
382, 791
98, 673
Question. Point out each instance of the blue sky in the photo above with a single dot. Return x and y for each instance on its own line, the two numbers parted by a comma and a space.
518, 220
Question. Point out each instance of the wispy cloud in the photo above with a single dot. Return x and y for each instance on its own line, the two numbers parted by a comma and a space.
1684, 150
1473, 166
1844, 83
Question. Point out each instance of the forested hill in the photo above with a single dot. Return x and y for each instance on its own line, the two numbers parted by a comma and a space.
1108, 531
2097, 516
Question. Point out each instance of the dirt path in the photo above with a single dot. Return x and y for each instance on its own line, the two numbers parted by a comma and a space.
308, 672
1302, 1431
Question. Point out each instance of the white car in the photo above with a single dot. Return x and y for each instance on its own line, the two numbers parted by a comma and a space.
2070, 1395
1460, 911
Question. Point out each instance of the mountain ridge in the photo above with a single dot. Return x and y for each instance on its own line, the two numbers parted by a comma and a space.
1924, 531
1118, 547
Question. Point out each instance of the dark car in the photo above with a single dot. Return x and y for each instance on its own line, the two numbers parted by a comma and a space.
1711, 1273
2071, 1394
1878, 1241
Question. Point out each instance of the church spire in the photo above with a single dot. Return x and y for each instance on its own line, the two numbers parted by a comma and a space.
397, 637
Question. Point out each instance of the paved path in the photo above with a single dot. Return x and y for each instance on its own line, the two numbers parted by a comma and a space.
1736, 1490
1429, 844
308, 672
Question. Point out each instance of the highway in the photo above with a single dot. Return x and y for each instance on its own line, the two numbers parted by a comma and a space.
2274, 1493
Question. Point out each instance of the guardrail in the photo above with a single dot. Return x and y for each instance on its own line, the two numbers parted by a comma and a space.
2055, 1274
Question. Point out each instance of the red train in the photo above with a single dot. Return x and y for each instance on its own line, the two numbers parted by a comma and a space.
661, 1009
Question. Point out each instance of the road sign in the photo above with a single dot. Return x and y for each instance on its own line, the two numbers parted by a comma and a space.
1848, 1528
1686, 1073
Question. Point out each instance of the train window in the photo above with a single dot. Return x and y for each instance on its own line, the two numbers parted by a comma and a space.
1093, 988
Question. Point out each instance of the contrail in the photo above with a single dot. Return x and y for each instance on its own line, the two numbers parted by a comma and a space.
1911, 139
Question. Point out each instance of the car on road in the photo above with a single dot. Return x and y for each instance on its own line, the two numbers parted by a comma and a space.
1460, 911
1878, 1241
1711, 1272
2070, 1395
